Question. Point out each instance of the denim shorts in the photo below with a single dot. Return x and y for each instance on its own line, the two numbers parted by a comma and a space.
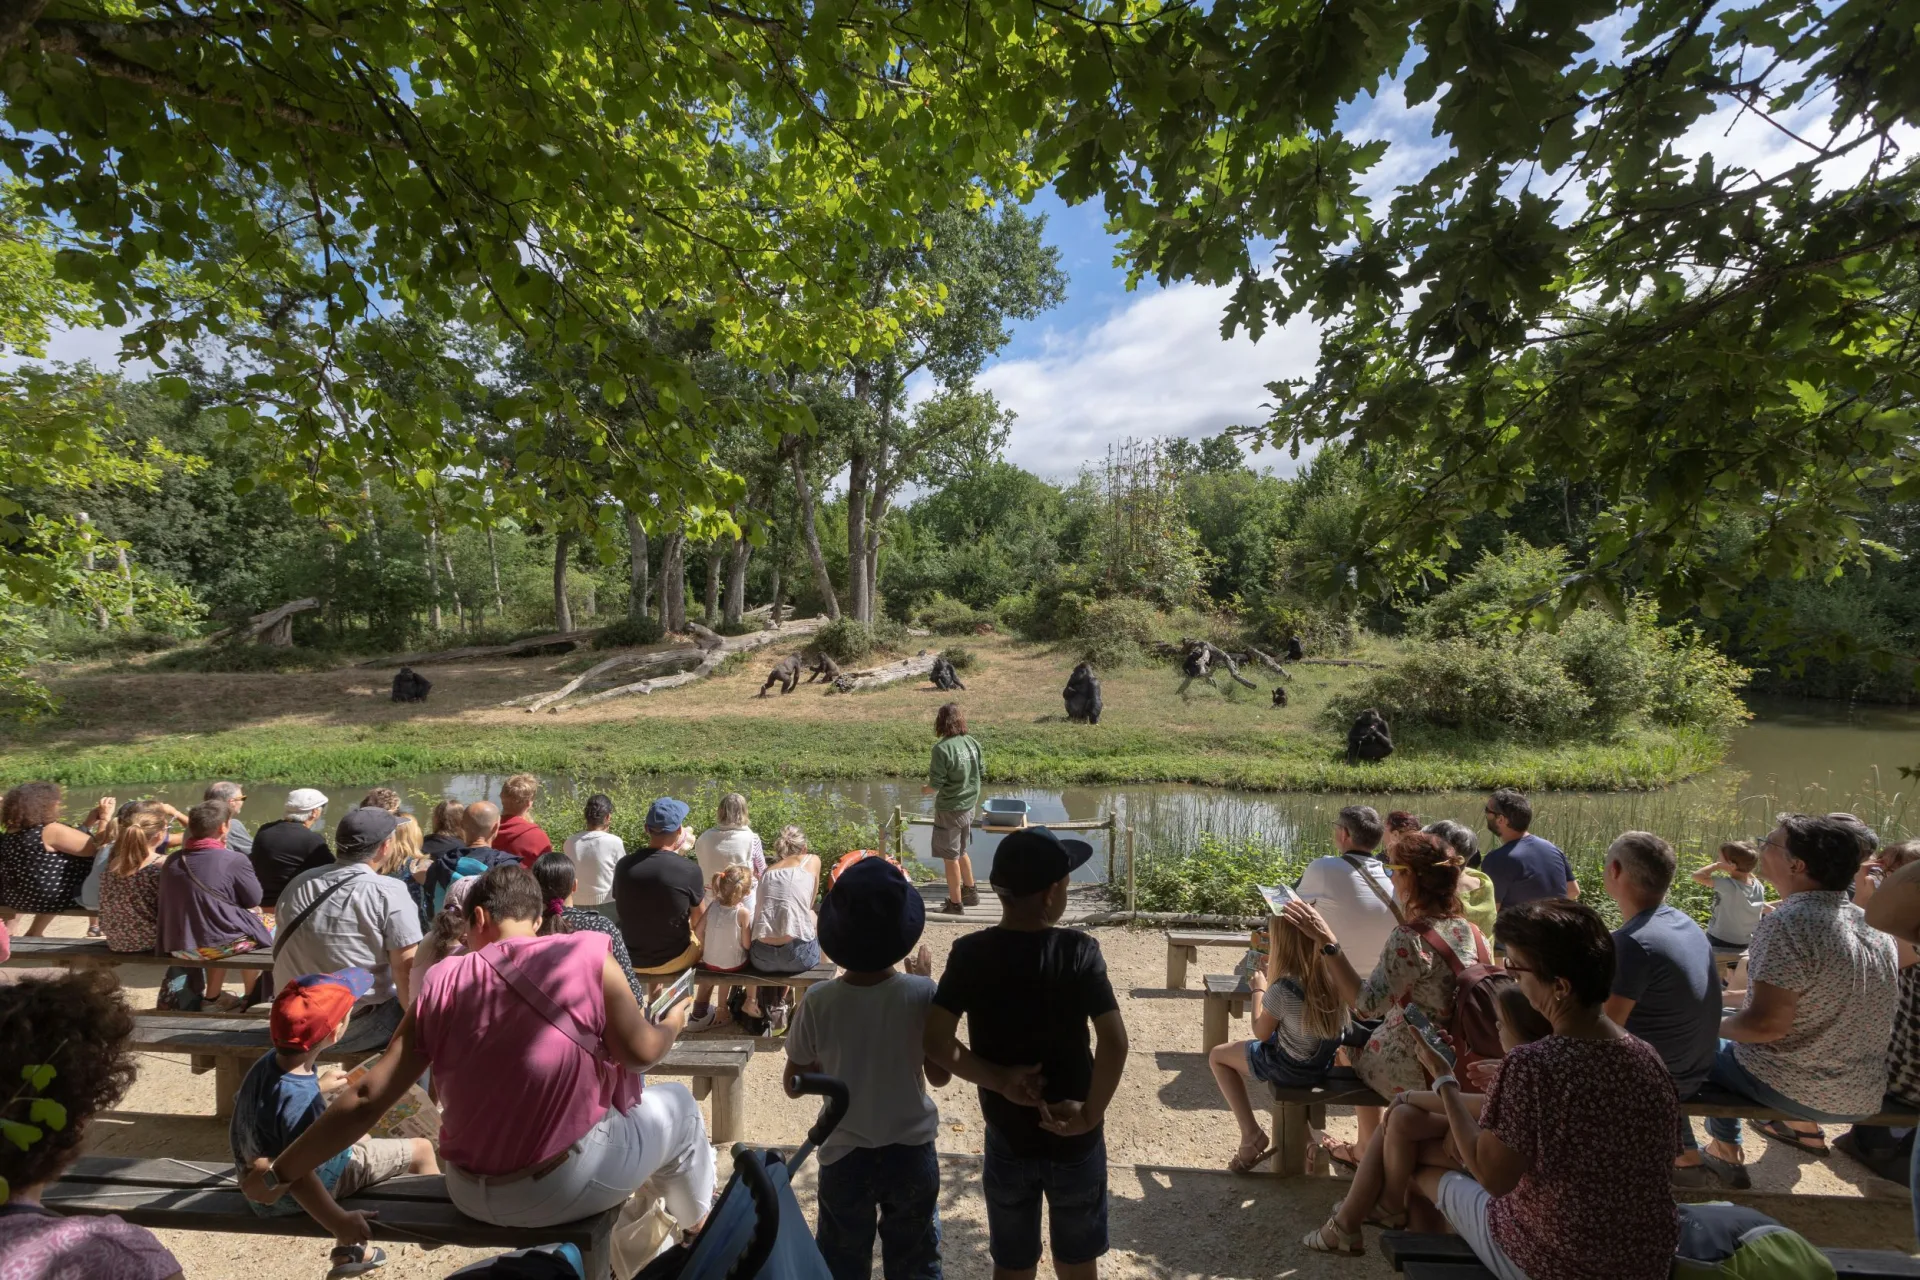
1265, 1061
796, 956
1076, 1196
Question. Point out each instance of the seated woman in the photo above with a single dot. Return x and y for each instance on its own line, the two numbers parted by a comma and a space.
75, 1028
785, 933
1297, 1023
208, 893
1567, 1163
1426, 881
1415, 1133
130, 883
1823, 985
1476, 887
537, 1048
43, 861
558, 881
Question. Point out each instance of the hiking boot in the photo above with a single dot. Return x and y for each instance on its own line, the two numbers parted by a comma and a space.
970, 896
952, 908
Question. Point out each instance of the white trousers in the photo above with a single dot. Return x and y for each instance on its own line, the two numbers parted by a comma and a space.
661, 1137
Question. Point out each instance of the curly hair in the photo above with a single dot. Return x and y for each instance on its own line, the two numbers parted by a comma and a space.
950, 721
381, 798
78, 1025
1435, 869
31, 804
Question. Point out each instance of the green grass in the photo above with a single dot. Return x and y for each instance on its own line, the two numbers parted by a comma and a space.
1050, 753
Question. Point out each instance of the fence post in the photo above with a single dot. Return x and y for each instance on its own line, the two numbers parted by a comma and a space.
899, 835
1130, 867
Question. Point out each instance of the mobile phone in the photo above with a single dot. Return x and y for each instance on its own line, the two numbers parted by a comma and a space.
676, 991
1423, 1027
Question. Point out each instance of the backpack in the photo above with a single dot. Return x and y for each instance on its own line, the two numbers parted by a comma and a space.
1473, 1022
1721, 1241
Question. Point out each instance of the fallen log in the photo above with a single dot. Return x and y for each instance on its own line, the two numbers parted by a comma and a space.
274, 627
542, 701
920, 664
715, 650
1270, 661
1342, 662
531, 644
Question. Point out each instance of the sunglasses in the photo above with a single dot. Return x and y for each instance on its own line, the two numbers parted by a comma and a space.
1521, 968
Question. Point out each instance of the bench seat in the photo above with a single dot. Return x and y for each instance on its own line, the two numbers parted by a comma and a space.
228, 1046
205, 1197
1434, 1257
1183, 948
93, 953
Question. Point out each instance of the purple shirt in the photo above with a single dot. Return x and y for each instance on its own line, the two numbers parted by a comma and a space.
204, 896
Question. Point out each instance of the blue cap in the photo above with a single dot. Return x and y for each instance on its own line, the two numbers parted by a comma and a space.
666, 815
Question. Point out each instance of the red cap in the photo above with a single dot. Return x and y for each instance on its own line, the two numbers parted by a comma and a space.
308, 1009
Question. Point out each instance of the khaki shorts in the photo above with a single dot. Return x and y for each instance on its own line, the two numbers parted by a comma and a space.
372, 1160
685, 960
952, 833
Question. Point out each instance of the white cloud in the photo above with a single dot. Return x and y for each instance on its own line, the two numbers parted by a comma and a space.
99, 347
1156, 366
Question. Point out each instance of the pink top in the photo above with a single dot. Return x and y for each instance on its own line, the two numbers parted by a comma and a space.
514, 1089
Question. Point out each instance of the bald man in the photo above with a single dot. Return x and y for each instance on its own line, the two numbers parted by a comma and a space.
479, 825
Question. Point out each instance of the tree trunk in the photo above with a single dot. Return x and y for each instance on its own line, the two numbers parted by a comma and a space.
562, 611
673, 582
16, 19
493, 558
710, 602
859, 592
126, 579
636, 565
876, 518
736, 605
593, 599
99, 609
811, 533
453, 585
433, 580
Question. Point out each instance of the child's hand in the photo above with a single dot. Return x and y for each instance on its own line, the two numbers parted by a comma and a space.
1021, 1085
920, 963
1068, 1118
354, 1226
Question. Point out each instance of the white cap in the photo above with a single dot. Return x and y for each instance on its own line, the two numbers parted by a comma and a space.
305, 800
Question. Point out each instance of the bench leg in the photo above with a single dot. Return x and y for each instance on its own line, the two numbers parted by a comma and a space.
599, 1258
1291, 1126
1177, 960
700, 1087
227, 1075
729, 1111
1213, 1023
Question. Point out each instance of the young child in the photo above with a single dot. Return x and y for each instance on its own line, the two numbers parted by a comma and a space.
867, 1027
1028, 991
1297, 1026
727, 933
1739, 900
1379, 1190
282, 1095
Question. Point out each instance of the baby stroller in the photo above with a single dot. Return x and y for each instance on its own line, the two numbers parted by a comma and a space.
756, 1230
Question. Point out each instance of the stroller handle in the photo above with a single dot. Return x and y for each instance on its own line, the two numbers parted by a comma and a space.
835, 1092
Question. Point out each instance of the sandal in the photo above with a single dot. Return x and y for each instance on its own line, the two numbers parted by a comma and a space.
1780, 1131
1386, 1221
1243, 1163
1349, 1162
355, 1260
1350, 1243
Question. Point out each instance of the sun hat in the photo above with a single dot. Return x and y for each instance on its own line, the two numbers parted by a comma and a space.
362, 830
872, 917
666, 815
1033, 859
308, 1009
305, 800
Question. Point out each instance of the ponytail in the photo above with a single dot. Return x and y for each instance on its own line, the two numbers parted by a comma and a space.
135, 840
554, 872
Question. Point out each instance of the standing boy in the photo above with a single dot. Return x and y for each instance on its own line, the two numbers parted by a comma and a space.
281, 1097
1028, 991
868, 1027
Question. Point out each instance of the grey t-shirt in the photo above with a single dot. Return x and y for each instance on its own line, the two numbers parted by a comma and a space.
237, 838
1737, 908
354, 928
870, 1037
1664, 964
1285, 1004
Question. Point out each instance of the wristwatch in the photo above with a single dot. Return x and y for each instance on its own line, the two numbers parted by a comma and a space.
271, 1179
1330, 949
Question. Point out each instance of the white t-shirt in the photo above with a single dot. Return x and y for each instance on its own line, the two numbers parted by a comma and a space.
1357, 915
721, 847
594, 854
870, 1037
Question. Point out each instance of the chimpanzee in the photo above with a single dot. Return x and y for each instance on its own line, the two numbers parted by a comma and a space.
410, 686
1279, 695
1369, 738
944, 676
785, 673
823, 668
1295, 650
1082, 695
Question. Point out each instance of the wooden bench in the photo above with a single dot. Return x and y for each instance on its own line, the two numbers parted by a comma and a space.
1228, 996
93, 953
205, 1197
229, 1046
1431, 1257
1183, 948
1294, 1110
796, 982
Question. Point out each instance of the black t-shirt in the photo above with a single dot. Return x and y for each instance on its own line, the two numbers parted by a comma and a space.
440, 844
281, 851
1030, 996
655, 892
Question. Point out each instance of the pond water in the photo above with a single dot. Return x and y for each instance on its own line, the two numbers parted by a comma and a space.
1810, 756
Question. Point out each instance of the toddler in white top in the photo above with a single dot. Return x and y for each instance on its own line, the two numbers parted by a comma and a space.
723, 945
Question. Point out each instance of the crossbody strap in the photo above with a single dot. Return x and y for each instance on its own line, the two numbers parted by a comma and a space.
543, 1004
1359, 864
201, 884
293, 928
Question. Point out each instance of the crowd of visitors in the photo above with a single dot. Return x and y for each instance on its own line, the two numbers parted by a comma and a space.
1533, 1096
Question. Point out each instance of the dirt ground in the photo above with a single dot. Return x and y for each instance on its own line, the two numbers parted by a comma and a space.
1175, 1212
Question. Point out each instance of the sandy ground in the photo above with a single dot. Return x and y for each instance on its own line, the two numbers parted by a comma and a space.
1175, 1212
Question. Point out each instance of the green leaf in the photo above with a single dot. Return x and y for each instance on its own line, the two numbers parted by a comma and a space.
38, 1075
20, 1135
1811, 398
48, 1112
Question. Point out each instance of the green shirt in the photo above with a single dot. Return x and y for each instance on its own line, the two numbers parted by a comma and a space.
955, 773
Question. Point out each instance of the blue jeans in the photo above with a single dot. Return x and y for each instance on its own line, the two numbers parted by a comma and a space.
1076, 1198
901, 1184
1729, 1074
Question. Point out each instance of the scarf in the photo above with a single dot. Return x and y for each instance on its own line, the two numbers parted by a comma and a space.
211, 842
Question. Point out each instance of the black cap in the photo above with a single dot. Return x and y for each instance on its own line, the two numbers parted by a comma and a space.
361, 831
872, 917
1033, 859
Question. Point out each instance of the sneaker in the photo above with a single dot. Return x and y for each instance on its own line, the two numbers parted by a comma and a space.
702, 1021
1732, 1176
969, 896
952, 908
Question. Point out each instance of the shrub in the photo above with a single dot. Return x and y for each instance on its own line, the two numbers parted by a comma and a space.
845, 640
1693, 683
1610, 661
1496, 598
1519, 690
962, 659
1133, 620
947, 617
890, 633
628, 632
1111, 651
1217, 877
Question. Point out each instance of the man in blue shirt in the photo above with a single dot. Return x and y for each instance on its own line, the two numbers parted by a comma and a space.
1666, 989
1525, 867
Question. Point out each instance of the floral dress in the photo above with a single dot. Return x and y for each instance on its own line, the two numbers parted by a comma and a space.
37, 879
130, 909
1408, 971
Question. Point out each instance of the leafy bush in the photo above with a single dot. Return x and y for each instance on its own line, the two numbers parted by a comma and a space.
1135, 620
962, 659
890, 634
1111, 651
845, 640
1487, 691
1498, 597
628, 632
78, 642
946, 617
1216, 877
1610, 661
1693, 683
